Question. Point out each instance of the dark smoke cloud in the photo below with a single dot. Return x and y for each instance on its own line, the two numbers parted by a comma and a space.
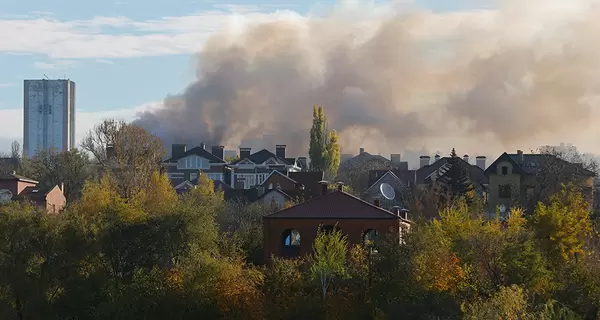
404, 79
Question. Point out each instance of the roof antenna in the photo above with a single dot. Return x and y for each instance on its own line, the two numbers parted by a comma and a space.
46, 76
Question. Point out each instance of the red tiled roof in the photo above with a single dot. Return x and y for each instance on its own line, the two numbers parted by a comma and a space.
334, 205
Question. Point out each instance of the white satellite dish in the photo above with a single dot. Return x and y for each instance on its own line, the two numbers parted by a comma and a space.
387, 191
5, 195
502, 208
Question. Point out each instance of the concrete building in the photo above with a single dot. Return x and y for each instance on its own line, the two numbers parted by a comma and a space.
49, 116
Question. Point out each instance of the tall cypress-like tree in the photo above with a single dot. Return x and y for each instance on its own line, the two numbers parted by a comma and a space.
455, 179
332, 153
317, 149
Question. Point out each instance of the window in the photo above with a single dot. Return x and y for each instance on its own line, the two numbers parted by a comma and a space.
504, 191
291, 243
215, 176
249, 179
504, 170
192, 162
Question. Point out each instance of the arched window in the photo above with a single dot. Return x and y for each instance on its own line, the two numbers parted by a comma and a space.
291, 243
291, 238
370, 238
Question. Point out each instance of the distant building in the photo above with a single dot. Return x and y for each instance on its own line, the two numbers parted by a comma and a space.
14, 187
49, 116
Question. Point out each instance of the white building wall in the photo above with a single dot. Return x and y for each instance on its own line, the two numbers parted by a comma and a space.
49, 110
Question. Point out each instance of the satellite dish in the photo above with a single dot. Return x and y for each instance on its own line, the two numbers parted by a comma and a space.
5, 196
502, 208
387, 191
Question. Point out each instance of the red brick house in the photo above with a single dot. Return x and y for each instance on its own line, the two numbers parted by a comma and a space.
291, 232
14, 187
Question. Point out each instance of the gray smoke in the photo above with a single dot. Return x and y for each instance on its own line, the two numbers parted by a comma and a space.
404, 78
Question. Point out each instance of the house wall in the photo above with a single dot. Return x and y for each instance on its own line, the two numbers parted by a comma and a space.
284, 182
375, 193
273, 230
497, 179
277, 197
55, 201
15, 186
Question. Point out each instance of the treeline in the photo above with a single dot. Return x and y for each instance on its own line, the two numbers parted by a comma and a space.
158, 255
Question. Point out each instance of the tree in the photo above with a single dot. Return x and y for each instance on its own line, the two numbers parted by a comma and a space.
332, 154
454, 180
552, 168
324, 148
329, 258
563, 225
355, 172
316, 149
13, 161
15, 150
129, 151
70, 168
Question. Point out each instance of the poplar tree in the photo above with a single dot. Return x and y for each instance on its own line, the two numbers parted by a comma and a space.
324, 148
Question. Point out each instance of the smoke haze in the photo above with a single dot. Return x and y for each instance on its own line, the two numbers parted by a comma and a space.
393, 78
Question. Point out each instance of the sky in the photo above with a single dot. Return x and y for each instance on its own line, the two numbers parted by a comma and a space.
125, 56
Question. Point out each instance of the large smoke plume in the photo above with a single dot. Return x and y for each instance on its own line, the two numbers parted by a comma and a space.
392, 78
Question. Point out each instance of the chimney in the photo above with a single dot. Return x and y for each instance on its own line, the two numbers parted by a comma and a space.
323, 187
203, 146
395, 159
520, 155
361, 151
400, 212
280, 150
178, 150
217, 151
340, 187
466, 158
424, 161
62, 187
110, 151
480, 160
245, 153
376, 202
436, 158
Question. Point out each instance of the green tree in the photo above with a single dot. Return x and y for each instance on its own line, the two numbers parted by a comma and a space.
564, 225
332, 152
324, 148
454, 181
329, 258
70, 168
316, 149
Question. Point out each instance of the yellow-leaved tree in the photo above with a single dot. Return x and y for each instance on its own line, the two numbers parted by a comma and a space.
563, 225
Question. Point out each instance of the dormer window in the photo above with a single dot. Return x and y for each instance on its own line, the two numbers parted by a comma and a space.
504, 170
192, 162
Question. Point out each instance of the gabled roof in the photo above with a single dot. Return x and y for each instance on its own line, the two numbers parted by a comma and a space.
406, 177
262, 156
287, 196
310, 180
199, 151
334, 205
388, 173
276, 172
531, 162
14, 176
34, 193
476, 174
504, 157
